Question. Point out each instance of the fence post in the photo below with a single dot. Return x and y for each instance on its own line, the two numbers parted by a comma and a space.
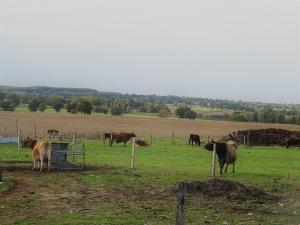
248, 140
173, 137
133, 154
151, 140
103, 137
18, 140
244, 140
181, 204
213, 164
207, 138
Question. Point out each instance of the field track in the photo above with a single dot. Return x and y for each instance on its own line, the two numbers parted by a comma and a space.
92, 125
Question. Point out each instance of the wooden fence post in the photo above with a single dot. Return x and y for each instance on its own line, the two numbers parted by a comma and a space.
248, 140
173, 137
151, 138
133, 154
181, 204
213, 164
244, 140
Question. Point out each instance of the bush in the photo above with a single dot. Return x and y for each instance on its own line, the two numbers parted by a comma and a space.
100, 109
116, 111
190, 114
84, 107
164, 112
181, 110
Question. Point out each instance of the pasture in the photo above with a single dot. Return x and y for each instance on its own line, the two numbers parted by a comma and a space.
109, 192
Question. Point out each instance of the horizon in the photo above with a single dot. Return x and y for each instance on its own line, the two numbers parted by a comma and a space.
127, 93
234, 50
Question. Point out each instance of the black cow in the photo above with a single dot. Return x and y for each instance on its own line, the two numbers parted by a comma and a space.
195, 139
226, 152
292, 141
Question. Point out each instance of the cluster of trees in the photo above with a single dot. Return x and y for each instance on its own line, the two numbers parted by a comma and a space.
87, 101
185, 112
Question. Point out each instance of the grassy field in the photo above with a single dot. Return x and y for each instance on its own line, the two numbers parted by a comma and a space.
109, 192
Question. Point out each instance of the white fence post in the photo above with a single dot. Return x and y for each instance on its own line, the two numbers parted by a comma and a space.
133, 154
213, 164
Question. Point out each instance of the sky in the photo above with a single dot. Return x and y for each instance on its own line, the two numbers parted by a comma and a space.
239, 50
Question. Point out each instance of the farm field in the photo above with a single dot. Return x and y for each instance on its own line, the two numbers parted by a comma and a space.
109, 192
143, 126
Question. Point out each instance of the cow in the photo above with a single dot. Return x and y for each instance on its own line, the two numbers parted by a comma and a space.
41, 152
226, 152
292, 141
141, 143
120, 137
54, 134
194, 139
28, 142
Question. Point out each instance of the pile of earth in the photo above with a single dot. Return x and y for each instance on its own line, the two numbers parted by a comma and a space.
262, 137
228, 190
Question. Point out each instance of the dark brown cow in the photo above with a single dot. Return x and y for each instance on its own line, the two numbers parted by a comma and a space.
28, 143
120, 137
293, 141
226, 152
141, 143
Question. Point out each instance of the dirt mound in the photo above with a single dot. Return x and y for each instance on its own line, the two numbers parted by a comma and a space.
262, 137
229, 190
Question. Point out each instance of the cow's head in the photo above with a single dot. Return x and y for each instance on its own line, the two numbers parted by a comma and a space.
210, 145
132, 134
28, 142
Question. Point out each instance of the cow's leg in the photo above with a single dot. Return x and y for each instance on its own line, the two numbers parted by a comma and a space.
33, 165
221, 167
189, 142
42, 161
233, 168
226, 167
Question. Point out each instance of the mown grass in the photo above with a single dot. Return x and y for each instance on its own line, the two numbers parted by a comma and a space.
163, 166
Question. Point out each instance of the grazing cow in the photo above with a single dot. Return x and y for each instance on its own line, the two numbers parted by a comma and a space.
226, 152
28, 142
195, 139
141, 143
41, 152
292, 141
54, 134
120, 137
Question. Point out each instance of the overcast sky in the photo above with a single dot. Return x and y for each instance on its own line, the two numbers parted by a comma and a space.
248, 50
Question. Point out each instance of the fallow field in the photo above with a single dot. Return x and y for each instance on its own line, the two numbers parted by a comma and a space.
92, 125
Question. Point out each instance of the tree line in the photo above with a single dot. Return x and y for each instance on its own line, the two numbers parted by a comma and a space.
265, 113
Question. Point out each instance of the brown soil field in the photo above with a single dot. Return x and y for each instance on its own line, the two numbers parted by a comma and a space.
94, 125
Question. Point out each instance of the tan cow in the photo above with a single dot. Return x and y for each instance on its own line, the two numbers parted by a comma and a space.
41, 152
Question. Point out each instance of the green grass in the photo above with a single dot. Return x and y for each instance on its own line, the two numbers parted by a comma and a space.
163, 166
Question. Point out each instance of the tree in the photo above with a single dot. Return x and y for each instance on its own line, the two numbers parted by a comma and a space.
8, 105
42, 107
238, 117
84, 107
34, 104
116, 111
57, 104
164, 112
181, 110
100, 109
190, 114
72, 107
